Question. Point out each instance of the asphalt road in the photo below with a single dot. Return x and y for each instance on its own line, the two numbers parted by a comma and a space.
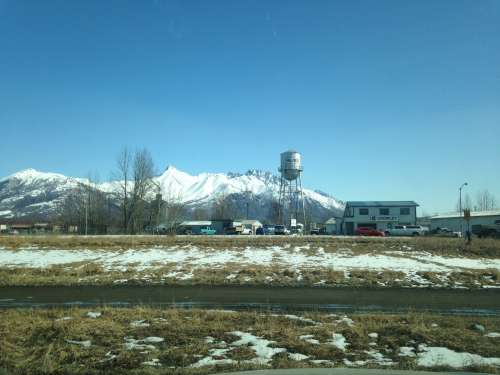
445, 301
344, 371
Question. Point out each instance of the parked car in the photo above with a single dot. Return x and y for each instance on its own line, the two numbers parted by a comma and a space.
280, 230
314, 231
407, 230
246, 231
208, 231
259, 231
268, 230
366, 231
484, 230
297, 229
445, 232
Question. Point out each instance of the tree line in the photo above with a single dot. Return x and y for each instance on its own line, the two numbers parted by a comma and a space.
484, 201
134, 202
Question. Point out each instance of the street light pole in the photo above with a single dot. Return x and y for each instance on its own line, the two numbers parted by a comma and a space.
460, 204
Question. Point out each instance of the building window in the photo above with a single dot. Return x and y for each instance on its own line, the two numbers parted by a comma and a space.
363, 211
383, 211
404, 211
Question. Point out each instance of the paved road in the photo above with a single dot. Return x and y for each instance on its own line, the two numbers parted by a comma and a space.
344, 371
457, 301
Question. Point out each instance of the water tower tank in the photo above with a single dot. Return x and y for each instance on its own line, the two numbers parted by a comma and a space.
291, 165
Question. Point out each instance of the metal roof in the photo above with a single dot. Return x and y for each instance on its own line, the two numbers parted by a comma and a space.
381, 203
332, 220
452, 215
249, 221
195, 223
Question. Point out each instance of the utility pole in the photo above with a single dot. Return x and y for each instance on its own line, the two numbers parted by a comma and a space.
460, 204
87, 213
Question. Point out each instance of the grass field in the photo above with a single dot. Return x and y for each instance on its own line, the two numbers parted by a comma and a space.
484, 248
245, 260
148, 340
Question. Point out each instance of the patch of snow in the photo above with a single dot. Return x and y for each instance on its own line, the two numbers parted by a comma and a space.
295, 317
93, 314
322, 362
209, 361
430, 356
259, 345
406, 351
209, 340
85, 344
64, 318
153, 339
493, 335
354, 363
109, 356
297, 356
339, 341
153, 362
378, 358
310, 339
133, 344
345, 320
373, 335
139, 323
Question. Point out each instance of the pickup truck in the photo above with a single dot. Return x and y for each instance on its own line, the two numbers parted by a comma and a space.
208, 231
407, 230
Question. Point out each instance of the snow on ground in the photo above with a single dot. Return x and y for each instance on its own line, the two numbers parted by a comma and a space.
310, 339
339, 341
143, 344
259, 345
431, 356
296, 317
296, 259
193, 256
85, 344
493, 335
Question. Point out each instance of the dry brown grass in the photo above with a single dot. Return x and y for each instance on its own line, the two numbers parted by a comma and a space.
486, 248
34, 341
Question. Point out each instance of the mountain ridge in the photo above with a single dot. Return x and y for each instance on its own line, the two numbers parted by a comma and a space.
30, 192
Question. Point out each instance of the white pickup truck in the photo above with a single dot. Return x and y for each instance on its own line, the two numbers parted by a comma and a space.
407, 230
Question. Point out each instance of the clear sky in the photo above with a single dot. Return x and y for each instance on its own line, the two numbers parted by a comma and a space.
385, 99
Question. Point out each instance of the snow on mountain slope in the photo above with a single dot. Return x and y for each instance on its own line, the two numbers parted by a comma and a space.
33, 193
30, 192
206, 186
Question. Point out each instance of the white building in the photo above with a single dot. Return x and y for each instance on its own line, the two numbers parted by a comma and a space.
379, 215
253, 225
331, 226
456, 222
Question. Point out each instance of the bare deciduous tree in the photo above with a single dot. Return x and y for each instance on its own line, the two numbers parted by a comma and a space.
135, 172
273, 215
123, 162
466, 203
485, 201
222, 207
142, 174
174, 211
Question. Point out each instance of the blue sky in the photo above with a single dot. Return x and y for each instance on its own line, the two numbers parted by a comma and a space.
385, 99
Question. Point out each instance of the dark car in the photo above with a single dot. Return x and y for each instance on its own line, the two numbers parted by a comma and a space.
279, 229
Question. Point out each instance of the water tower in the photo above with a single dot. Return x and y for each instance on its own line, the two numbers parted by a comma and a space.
291, 198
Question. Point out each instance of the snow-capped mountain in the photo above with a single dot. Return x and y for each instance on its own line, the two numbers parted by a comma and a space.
30, 193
